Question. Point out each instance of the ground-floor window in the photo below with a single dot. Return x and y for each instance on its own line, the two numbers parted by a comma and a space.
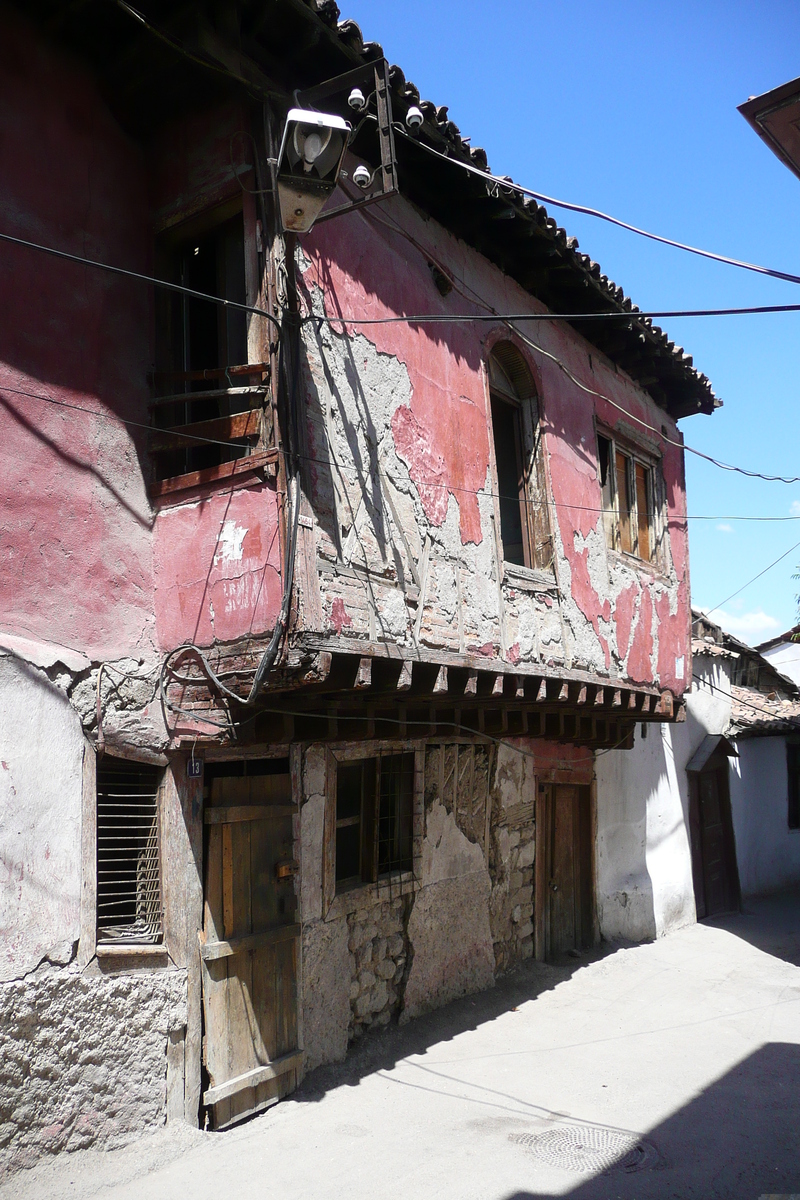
129, 894
374, 818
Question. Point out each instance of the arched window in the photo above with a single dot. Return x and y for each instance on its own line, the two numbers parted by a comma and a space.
522, 501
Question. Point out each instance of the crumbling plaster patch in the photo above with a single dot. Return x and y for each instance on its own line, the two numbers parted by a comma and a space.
84, 1059
41, 787
326, 992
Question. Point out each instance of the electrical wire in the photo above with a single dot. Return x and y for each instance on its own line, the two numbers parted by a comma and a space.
763, 712
496, 316
475, 297
785, 554
632, 315
328, 462
256, 91
162, 283
594, 212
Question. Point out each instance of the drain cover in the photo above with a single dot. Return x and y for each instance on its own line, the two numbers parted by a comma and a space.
587, 1148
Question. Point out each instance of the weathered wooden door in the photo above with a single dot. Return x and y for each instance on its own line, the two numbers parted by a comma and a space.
250, 940
564, 894
716, 875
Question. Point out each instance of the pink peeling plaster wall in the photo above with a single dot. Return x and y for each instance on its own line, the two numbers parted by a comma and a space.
75, 546
443, 437
217, 568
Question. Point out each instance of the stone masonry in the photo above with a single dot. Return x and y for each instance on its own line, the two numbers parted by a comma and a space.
378, 955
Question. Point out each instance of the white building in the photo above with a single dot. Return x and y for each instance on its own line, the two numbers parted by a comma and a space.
702, 813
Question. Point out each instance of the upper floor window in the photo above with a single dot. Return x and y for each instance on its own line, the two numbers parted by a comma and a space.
519, 464
208, 403
628, 488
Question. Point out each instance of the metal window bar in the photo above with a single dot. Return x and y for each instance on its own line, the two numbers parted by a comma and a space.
129, 899
398, 826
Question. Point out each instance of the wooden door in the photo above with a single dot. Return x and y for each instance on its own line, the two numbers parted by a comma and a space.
564, 874
250, 943
714, 852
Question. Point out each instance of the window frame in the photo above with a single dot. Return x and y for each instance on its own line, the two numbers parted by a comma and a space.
345, 896
635, 459
247, 429
532, 486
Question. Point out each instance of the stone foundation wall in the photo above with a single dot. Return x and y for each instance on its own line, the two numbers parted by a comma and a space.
378, 947
83, 1059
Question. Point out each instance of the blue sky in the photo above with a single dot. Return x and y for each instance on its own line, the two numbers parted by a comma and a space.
630, 107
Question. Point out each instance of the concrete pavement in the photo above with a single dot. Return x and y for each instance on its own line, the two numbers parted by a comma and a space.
665, 1070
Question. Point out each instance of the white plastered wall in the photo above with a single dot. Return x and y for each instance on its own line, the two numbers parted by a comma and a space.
767, 851
41, 773
643, 852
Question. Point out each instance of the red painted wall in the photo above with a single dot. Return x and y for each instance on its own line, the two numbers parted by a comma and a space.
85, 561
366, 268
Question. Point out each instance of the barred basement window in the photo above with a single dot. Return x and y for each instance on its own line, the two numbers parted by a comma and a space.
129, 904
374, 819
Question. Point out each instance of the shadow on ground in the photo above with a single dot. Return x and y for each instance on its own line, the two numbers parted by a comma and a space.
738, 1140
380, 1051
770, 923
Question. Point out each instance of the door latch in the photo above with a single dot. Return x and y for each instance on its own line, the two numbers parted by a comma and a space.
286, 868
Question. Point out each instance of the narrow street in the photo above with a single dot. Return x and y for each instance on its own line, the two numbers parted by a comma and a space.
670, 1069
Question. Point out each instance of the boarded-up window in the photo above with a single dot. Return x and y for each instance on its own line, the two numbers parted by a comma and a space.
129, 905
627, 491
519, 461
374, 818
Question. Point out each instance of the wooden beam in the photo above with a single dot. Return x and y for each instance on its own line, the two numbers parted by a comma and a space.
564, 692
251, 1079
404, 678
519, 687
599, 697
364, 674
616, 700
270, 937
471, 686
231, 815
582, 694
541, 694
497, 686
440, 686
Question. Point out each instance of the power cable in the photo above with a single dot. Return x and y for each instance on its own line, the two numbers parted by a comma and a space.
594, 212
763, 712
328, 462
162, 283
475, 297
613, 315
785, 554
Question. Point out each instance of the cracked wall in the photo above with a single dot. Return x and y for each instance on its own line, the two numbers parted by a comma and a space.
372, 957
83, 1059
401, 477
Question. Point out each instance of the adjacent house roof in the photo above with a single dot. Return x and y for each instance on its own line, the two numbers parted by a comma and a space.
791, 635
190, 55
753, 713
775, 116
763, 701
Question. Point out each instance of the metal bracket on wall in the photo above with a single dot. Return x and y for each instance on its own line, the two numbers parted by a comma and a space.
372, 77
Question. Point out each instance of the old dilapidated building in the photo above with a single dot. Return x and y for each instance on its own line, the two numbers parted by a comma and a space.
315, 615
